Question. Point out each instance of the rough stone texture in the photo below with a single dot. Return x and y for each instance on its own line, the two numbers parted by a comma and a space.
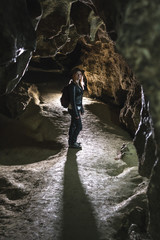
19, 20
53, 30
138, 41
111, 12
129, 114
15, 103
154, 200
63, 23
133, 227
144, 140
137, 31
109, 77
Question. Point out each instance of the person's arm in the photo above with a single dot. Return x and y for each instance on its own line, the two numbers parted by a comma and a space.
73, 100
82, 110
82, 86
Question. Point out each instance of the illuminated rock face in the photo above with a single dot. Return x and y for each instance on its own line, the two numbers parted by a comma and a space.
109, 77
62, 24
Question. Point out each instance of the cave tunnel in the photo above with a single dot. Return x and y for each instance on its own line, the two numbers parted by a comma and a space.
110, 189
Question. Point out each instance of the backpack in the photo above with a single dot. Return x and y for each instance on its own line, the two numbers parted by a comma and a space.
65, 96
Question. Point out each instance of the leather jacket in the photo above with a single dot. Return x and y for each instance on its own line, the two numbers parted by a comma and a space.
76, 94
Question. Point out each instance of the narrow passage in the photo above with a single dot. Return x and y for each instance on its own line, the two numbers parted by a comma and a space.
70, 194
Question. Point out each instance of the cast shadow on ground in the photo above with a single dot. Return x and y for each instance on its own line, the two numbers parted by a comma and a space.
27, 151
78, 218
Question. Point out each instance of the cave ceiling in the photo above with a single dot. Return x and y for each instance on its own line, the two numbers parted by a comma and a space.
62, 23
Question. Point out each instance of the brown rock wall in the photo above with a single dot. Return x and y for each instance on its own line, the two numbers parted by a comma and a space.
109, 77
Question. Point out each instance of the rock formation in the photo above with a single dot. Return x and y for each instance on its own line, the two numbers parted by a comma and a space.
139, 46
19, 21
98, 27
144, 140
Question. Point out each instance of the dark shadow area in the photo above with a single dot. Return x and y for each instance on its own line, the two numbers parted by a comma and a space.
28, 140
78, 218
26, 151
46, 79
108, 114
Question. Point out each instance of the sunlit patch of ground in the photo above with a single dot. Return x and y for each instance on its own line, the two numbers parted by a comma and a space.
68, 194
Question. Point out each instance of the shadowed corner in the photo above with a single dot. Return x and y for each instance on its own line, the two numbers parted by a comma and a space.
27, 151
78, 219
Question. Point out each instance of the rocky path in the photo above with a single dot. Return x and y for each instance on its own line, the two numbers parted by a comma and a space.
69, 194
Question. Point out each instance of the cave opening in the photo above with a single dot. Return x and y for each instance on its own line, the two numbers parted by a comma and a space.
110, 189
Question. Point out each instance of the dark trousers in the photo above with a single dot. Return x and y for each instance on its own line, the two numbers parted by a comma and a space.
75, 127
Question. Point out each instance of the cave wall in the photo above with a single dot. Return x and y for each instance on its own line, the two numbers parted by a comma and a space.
19, 20
109, 76
138, 41
144, 139
110, 79
135, 29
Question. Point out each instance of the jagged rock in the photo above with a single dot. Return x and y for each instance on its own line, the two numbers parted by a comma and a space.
144, 140
35, 125
109, 77
133, 222
81, 23
17, 40
135, 233
54, 28
16, 102
62, 25
130, 113
154, 200
140, 47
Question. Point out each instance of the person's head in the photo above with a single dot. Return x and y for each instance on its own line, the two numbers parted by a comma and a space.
77, 74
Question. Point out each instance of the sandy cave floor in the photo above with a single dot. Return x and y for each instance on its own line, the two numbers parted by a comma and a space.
65, 193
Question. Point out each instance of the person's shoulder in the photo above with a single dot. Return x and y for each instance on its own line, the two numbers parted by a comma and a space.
72, 84
70, 81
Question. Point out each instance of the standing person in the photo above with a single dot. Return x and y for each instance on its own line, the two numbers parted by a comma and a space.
75, 107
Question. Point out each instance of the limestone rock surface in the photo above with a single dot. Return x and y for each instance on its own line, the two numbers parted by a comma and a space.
19, 20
